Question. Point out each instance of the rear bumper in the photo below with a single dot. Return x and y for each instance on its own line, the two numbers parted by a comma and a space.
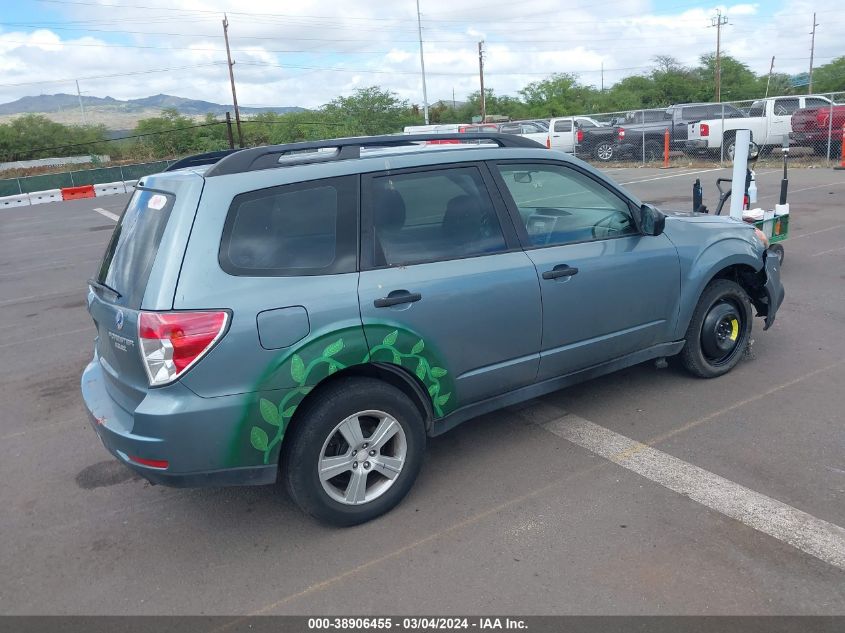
192, 434
805, 139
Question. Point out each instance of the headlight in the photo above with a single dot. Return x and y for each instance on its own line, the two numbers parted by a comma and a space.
762, 237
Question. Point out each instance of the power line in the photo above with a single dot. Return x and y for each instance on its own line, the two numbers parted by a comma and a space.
109, 76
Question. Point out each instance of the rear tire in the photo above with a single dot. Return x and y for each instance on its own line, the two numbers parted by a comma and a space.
603, 151
653, 152
364, 467
718, 331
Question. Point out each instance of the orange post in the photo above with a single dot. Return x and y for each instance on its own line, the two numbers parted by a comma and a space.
842, 144
666, 148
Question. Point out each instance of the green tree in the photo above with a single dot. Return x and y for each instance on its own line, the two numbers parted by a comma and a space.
35, 136
368, 111
830, 77
738, 81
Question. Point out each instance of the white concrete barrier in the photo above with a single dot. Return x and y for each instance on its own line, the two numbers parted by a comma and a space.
48, 195
109, 189
20, 200
130, 185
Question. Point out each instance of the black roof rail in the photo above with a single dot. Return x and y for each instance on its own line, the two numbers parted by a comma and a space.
196, 160
269, 157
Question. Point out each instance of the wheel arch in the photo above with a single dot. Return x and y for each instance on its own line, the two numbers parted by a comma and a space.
742, 267
389, 373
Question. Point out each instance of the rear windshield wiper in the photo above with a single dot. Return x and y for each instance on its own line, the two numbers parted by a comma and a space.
101, 286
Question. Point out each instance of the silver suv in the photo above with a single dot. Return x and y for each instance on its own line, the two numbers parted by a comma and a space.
317, 310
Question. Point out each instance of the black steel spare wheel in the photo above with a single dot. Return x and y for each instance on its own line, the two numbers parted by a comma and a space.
719, 329
720, 332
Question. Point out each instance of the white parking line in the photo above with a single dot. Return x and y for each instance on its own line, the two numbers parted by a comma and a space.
676, 175
818, 538
794, 191
831, 250
108, 214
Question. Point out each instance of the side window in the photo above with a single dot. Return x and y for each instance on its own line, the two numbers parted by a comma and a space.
784, 107
758, 109
307, 228
563, 126
815, 102
559, 205
433, 215
510, 128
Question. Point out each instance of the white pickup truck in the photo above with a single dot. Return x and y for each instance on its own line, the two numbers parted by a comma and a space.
565, 133
768, 119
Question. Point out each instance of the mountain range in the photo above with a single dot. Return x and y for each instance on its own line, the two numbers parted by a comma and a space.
117, 113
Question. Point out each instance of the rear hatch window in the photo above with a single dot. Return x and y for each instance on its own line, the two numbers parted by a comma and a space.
134, 244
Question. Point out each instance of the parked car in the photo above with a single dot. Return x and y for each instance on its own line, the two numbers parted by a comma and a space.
529, 129
646, 140
564, 133
597, 141
315, 311
815, 127
768, 119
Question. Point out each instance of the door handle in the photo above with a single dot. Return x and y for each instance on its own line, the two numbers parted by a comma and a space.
397, 297
561, 270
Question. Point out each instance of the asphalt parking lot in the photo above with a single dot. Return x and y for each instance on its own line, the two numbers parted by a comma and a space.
644, 492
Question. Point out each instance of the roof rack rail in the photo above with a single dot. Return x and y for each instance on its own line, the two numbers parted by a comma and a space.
196, 160
269, 157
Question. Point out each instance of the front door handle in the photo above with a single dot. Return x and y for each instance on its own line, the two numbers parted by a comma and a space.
397, 297
561, 270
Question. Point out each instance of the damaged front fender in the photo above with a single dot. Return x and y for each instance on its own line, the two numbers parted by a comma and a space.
767, 290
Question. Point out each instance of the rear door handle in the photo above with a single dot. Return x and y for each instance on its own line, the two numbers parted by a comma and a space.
561, 270
397, 297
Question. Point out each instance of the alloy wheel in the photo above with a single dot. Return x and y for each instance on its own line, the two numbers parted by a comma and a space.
362, 457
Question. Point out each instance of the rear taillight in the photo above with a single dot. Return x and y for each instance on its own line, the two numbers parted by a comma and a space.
548, 142
171, 342
703, 129
579, 136
620, 133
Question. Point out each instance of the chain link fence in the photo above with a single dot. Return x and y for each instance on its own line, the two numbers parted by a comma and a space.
688, 134
100, 175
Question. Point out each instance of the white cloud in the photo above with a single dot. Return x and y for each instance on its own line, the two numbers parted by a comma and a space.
360, 43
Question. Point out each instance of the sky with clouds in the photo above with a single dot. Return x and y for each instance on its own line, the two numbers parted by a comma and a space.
307, 52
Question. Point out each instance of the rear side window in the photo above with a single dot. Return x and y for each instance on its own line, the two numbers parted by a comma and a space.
563, 126
307, 228
134, 244
811, 102
433, 215
714, 111
785, 106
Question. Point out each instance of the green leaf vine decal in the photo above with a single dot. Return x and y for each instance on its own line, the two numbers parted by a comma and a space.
278, 416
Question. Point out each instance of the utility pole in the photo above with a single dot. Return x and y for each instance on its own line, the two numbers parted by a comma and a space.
718, 22
481, 77
81, 107
812, 50
769, 80
229, 131
422, 64
602, 76
232, 80
453, 99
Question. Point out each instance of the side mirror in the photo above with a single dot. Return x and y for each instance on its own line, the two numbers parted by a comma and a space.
523, 177
652, 220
